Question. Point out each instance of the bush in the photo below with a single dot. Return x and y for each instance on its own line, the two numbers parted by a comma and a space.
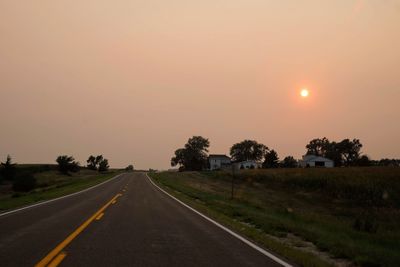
24, 183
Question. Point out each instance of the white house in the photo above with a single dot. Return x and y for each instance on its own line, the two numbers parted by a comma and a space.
316, 161
218, 162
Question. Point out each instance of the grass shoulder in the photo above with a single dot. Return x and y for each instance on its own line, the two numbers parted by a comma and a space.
201, 197
51, 184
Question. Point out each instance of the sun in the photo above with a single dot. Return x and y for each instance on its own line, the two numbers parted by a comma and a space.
304, 93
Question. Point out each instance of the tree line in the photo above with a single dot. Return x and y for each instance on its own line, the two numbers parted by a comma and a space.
67, 164
344, 153
194, 155
23, 179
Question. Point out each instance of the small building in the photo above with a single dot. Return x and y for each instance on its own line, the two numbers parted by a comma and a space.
316, 161
247, 164
218, 162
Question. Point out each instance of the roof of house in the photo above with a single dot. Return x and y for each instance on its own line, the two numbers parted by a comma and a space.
315, 158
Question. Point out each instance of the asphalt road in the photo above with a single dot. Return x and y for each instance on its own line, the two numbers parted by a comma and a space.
125, 222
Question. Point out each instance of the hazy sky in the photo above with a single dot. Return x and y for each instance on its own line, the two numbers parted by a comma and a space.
133, 80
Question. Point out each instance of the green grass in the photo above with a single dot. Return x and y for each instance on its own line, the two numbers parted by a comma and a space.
321, 206
51, 184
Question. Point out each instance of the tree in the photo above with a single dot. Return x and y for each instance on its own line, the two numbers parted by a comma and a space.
318, 147
99, 159
103, 165
346, 152
271, 159
129, 168
364, 161
179, 158
289, 162
67, 164
333, 152
248, 150
94, 162
350, 151
91, 163
8, 169
193, 157
389, 162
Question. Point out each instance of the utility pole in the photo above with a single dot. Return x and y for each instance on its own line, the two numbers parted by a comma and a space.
233, 179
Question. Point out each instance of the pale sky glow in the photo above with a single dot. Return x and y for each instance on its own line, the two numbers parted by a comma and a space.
304, 92
134, 80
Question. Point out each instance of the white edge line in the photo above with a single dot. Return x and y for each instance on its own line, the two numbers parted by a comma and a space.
55, 199
259, 249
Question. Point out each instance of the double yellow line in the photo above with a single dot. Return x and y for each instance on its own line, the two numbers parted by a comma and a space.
57, 255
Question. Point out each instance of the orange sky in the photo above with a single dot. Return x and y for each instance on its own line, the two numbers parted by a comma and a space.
133, 80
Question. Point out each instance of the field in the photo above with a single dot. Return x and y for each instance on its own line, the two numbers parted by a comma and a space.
50, 184
314, 217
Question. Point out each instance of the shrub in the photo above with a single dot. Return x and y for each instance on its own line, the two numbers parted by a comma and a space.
24, 183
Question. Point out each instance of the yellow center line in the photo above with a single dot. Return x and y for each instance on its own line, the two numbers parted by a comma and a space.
57, 260
115, 201
100, 216
73, 235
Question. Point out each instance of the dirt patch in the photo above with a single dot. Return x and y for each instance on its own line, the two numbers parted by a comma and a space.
297, 242
301, 244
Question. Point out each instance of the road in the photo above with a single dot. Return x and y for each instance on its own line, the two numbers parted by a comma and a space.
125, 222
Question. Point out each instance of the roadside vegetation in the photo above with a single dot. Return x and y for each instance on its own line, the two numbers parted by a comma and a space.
24, 184
129, 168
315, 217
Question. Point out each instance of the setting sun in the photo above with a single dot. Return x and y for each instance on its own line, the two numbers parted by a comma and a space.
304, 93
